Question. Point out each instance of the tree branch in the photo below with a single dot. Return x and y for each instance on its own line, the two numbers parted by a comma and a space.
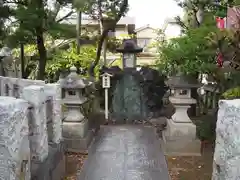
66, 16
104, 34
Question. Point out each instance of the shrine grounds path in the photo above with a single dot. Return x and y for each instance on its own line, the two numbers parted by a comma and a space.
125, 152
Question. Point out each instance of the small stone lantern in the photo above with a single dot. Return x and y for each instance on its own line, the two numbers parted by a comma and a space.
129, 49
75, 125
6, 60
180, 134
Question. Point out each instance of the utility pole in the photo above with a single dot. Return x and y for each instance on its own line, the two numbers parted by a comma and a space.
79, 27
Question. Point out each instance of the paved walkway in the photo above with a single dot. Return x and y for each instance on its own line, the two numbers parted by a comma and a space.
125, 153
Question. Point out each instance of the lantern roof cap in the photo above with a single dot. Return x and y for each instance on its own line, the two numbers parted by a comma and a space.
129, 46
183, 81
73, 80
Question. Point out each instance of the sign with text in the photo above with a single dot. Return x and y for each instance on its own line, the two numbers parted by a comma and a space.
106, 80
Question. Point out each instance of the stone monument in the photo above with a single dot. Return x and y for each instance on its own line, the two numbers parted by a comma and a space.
76, 133
180, 134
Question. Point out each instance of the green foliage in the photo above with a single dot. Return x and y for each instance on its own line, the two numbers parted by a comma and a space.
64, 59
233, 93
109, 9
4, 15
189, 53
206, 126
31, 16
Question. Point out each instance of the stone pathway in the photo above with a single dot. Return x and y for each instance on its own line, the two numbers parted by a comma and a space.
126, 152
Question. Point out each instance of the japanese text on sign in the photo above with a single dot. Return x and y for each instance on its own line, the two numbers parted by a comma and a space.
106, 82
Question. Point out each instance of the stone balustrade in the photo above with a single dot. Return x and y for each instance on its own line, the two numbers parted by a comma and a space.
43, 118
14, 86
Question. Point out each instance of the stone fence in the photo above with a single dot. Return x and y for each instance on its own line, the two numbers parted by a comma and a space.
31, 130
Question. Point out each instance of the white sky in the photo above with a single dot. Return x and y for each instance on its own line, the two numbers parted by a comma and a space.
154, 12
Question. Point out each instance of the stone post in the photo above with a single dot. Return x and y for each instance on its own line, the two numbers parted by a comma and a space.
14, 144
3, 86
54, 91
38, 123
227, 149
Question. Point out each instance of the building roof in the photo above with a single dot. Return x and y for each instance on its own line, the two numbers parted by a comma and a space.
88, 21
167, 22
144, 27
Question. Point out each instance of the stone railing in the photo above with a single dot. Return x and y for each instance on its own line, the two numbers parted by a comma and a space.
227, 149
31, 126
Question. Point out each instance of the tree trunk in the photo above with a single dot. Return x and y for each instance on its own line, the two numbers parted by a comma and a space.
22, 57
42, 54
99, 50
105, 51
79, 26
194, 94
104, 35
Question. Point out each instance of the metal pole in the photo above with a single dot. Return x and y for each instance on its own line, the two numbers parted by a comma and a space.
79, 25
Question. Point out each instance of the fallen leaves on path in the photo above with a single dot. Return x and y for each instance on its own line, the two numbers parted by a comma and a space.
190, 167
74, 163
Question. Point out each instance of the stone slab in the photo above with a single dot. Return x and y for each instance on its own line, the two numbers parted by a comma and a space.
79, 144
125, 152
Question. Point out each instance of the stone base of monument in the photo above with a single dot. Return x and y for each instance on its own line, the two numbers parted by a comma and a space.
77, 136
53, 168
180, 139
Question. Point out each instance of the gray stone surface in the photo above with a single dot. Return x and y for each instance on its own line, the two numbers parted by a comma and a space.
179, 139
37, 122
79, 144
125, 153
14, 142
52, 168
226, 162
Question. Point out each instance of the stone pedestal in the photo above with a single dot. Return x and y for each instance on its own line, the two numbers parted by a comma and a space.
180, 139
180, 135
77, 136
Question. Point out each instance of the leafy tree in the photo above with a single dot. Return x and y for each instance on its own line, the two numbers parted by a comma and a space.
189, 53
107, 13
4, 15
64, 59
33, 20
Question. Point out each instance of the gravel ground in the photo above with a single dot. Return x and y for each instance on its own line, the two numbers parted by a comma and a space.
74, 162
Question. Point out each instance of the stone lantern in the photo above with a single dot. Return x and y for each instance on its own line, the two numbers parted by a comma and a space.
180, 134
129, 49
5, 60
75, 125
